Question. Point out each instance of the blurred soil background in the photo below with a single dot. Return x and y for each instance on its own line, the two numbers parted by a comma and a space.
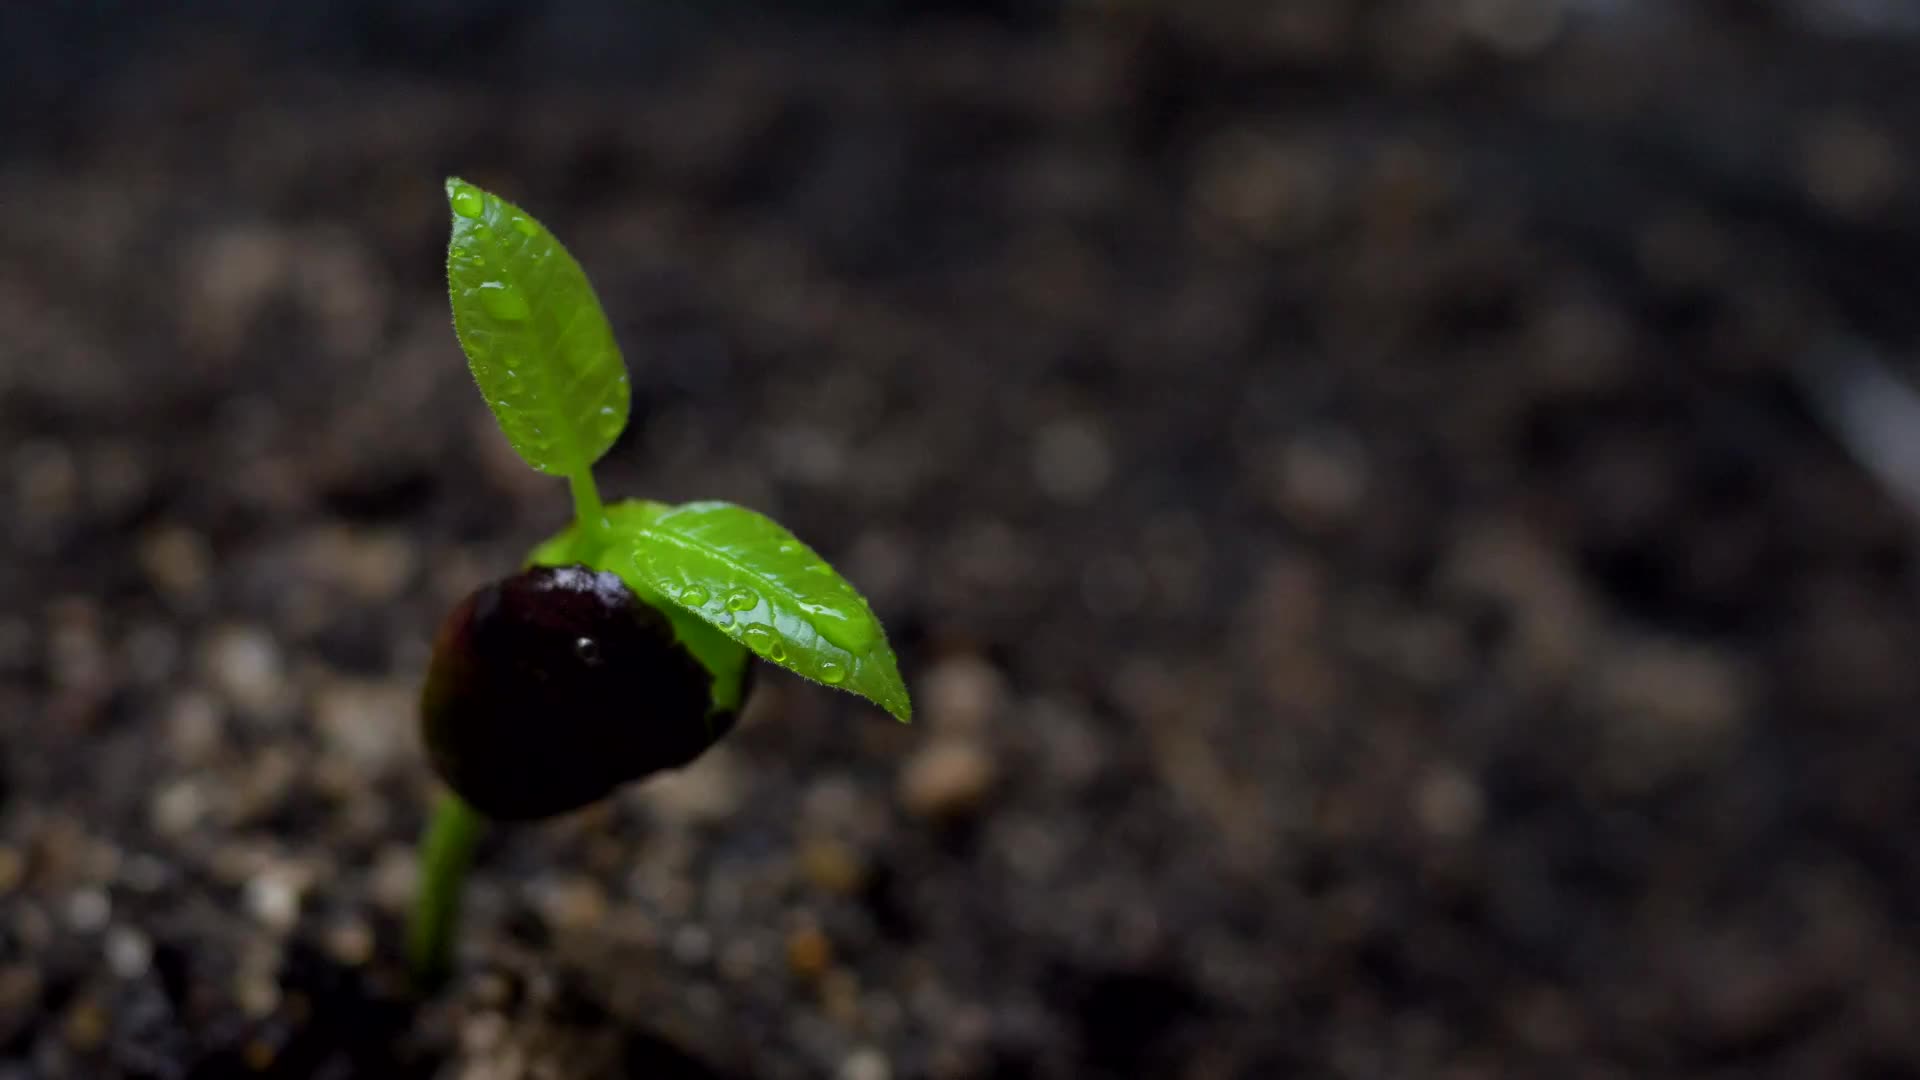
1340, 476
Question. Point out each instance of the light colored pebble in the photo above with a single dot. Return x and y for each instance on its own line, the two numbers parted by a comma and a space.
866, 1063
368, 723
178, 808
947, 778
129, 952
691, 946
244, 665
273, 897
176, 560
962, 694
351, 942
194, 728
395, 878
88, 910
573, 904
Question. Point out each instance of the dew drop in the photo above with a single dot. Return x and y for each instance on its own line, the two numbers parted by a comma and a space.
524, 224
467, 201
588, 650
693, 596
831, 673
777, 653
742, 600
846, 629
761, 639
503, 301
723, 620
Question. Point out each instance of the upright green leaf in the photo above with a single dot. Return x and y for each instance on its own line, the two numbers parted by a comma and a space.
724, 660
534, 334
743, 573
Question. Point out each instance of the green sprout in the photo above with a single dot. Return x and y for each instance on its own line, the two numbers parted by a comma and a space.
624, 647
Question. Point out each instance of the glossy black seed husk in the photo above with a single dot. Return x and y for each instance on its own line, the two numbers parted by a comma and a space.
552, 687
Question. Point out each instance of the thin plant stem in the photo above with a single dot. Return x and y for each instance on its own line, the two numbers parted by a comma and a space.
446, 851
587, 509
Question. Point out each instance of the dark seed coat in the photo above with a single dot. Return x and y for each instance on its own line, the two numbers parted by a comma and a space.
552, 687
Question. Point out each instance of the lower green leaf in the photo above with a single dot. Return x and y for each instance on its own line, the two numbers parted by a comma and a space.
750, 578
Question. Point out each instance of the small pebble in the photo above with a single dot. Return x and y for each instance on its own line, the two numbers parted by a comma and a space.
88, 910
351, 943
19, 988
13, 868
840, 997
573, 904
831, 867
152, 654
1514, 27
394, 878
1449, 803
946, 779
245, 667
176, 561
809, 953
86, 1026
194, 730
710, 791
691, 946
368, 723
145, 873
740, 961
257, 994
482, 1033
1323, 479
129, 952
372, 566
178, 808
866, 1063
962, 694
47, 479
1072, 460
1852, 169
273, 897
260, 1053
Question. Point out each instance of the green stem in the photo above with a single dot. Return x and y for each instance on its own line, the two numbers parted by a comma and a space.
587, 509
446, 850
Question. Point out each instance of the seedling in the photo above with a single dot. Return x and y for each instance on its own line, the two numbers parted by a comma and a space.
624, 647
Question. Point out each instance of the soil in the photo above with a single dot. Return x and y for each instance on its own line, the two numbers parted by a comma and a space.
1378, 598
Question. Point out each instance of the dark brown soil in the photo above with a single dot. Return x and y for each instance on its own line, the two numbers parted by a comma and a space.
1378, 601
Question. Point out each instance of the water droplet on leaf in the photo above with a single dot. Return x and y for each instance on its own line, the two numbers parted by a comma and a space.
759, 638
693, 596
777, 652
742, 600
524, 224
831, 673
851, 633
468, 202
